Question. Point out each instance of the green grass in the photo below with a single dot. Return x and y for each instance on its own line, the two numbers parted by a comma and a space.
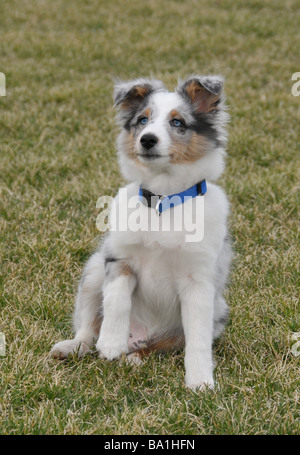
58, 156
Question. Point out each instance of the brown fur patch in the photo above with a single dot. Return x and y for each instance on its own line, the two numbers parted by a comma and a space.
170, 343
128, 145
125, 269
174, 114
147, 113
129, 148
116, 269
96, 324
202, 98
135, 96
183, 153
141, 92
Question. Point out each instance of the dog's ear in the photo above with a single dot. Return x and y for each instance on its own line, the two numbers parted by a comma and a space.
129, 95
203, 92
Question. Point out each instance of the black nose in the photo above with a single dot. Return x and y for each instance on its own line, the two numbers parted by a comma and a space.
148, 141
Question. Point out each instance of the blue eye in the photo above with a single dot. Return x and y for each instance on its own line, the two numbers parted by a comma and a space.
177, 123
143, 120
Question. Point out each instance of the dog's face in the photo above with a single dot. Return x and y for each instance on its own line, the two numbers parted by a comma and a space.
162, 129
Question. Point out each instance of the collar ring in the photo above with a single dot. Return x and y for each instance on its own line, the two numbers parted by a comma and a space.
158, 204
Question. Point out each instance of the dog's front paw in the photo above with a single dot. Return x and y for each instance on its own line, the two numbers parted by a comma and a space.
199, 382
198, 378
200, 386
64, 349
111, 350
199, 372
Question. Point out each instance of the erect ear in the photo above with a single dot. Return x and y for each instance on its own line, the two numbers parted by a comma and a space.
129, 95
203, 92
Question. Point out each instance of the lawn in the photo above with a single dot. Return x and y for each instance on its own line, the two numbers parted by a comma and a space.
57, 156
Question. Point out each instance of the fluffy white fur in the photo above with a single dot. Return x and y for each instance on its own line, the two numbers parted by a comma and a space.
156, 283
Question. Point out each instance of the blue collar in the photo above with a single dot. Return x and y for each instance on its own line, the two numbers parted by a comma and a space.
161, 202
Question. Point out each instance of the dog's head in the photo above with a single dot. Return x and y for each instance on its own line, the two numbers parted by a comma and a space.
171, 133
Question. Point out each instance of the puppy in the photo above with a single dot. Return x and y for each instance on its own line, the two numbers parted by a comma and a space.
151, 289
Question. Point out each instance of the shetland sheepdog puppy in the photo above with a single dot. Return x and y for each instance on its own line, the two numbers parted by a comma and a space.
158, 289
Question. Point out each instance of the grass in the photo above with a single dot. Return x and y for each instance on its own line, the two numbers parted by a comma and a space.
58, 156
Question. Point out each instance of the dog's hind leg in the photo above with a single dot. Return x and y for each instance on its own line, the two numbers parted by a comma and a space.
221, 310
87, 314
221, 315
